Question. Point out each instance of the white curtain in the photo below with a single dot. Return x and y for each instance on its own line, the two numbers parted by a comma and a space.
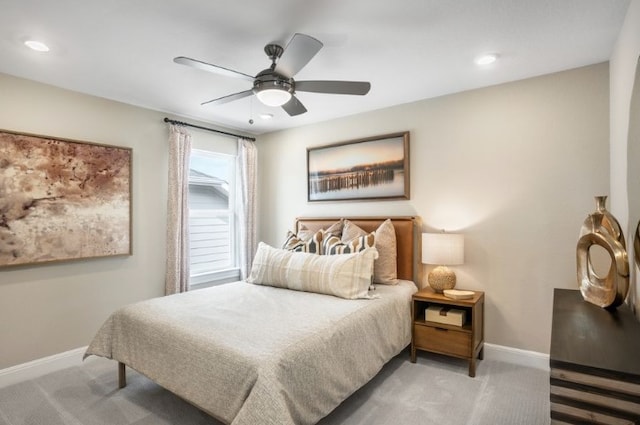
247, 172
177, 279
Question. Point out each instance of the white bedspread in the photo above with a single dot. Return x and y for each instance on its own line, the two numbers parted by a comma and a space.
250, 354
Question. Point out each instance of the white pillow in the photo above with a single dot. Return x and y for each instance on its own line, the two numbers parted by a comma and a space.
346, 276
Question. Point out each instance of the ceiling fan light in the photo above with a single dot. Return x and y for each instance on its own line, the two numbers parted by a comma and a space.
273, 97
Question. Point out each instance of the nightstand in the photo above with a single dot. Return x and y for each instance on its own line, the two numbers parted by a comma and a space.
465, 342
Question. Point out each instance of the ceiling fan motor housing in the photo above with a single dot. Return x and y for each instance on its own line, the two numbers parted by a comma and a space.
269, 80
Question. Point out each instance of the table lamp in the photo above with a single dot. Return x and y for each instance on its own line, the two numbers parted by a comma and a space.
442, 249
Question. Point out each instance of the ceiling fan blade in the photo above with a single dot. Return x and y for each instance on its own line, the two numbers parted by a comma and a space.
334, 87
294, 107
229, 98
300, 50
194, 63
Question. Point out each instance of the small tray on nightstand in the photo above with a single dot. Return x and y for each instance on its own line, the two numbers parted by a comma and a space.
458, 294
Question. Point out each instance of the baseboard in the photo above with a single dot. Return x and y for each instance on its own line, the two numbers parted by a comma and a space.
517, 356
39, 367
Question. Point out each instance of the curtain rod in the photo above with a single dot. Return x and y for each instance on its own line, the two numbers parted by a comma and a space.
209, 129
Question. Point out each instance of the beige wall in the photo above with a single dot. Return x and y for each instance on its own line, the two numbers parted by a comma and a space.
48, 309
52, 308
623, 70
514, 167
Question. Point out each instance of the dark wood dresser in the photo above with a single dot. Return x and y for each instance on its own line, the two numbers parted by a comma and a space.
595, 362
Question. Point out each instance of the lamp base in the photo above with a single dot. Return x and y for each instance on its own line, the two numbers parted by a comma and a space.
442, 278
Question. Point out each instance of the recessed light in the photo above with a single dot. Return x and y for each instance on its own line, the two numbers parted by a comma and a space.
38, 46
266, 116
486, 59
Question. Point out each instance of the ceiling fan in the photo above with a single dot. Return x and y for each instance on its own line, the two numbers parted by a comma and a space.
275, 85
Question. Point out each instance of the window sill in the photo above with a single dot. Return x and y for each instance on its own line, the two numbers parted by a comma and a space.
205, 280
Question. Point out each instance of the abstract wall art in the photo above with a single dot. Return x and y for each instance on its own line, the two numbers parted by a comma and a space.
62, 199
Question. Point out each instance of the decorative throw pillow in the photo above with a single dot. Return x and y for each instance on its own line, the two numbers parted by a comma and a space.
312, 245
332, 245
386, 266
346, 276
305, 233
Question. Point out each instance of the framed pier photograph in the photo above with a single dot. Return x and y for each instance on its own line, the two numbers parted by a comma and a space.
373, 168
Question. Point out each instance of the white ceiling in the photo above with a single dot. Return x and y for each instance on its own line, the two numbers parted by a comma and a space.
408, 49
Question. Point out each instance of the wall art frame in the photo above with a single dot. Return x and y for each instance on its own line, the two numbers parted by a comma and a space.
373, 168
63, 199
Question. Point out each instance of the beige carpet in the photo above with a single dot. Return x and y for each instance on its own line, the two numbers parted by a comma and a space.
436, 390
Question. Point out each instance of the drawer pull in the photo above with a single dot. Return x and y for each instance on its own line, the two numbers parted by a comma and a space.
441, 329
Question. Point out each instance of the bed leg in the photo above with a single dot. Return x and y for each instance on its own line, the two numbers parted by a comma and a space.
122, 375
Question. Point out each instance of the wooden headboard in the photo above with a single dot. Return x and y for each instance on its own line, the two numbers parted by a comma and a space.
408, 234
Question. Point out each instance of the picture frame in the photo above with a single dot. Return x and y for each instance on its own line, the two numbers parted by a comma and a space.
373, 168
62, 199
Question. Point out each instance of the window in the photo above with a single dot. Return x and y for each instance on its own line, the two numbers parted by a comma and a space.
212, 218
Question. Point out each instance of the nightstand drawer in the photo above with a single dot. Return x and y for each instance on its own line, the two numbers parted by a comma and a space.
446, 341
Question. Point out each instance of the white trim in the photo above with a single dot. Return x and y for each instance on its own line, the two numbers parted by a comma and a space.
212, 278
39, 367
517, 356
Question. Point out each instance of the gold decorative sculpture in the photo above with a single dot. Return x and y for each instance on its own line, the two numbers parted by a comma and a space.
601, 228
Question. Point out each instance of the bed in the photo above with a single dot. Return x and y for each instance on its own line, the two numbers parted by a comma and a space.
253, 354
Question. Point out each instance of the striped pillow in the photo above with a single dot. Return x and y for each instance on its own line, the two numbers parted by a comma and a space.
333, 245
345, 276
312, 245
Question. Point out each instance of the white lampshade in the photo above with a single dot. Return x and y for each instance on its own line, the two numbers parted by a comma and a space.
273, 97
444, 249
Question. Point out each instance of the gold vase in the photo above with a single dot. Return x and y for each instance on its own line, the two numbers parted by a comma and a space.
636, 245
601, 228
